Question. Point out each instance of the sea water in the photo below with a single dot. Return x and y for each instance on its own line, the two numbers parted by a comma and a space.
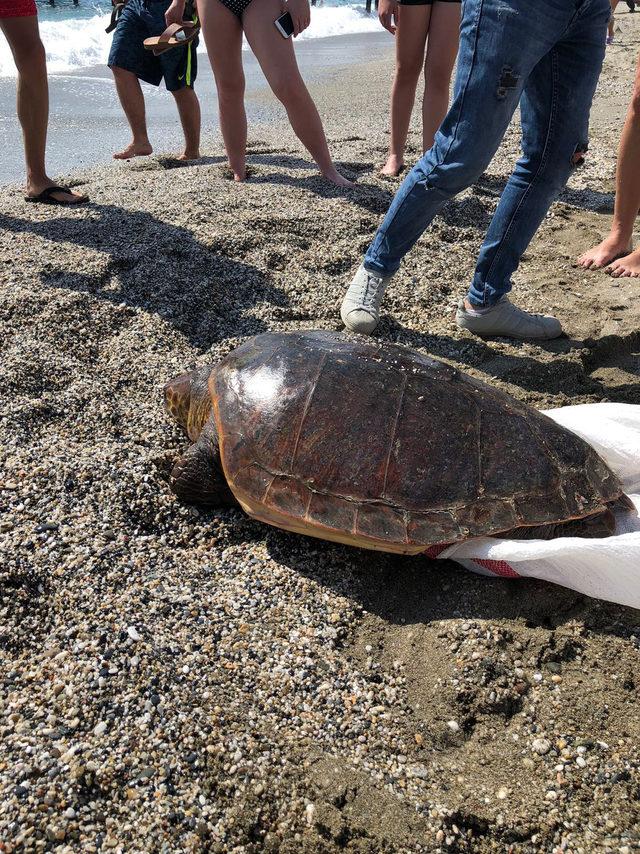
74, 36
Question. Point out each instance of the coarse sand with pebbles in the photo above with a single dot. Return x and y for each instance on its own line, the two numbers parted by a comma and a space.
184, 681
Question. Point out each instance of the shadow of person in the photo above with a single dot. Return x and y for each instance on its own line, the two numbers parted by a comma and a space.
569, 374
369, 197
159, 268
271, 157
585, 198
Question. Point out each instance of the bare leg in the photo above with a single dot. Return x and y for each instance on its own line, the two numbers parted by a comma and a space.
222, 33
33, 101
132, 100
189, 111
442, 49
612, 21
278, 62
627, 203
411, 36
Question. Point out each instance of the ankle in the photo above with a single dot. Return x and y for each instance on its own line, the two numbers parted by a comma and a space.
620, 236
37, 179
327, 167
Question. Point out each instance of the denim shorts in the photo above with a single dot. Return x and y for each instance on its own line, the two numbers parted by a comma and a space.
139, 20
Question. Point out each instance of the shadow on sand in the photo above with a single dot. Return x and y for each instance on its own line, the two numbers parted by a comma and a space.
570, 375
161, 269
417, 590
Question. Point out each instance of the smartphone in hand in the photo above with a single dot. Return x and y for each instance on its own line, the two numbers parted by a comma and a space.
284, 25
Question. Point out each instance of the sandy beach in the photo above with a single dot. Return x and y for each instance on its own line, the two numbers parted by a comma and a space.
176, 680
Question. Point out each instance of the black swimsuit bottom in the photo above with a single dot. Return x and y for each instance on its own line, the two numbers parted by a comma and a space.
236, 6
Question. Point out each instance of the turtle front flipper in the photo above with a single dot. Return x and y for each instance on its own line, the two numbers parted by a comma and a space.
197, 477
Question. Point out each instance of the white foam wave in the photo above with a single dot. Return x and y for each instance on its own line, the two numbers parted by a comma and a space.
73, 44
70, 44
339, 20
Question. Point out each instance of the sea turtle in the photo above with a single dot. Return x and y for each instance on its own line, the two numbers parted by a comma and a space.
375, 445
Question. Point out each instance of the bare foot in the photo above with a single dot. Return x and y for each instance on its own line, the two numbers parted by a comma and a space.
627, 266
67, 198
393, 167
188, 155
604, 253
336, 178
134, 149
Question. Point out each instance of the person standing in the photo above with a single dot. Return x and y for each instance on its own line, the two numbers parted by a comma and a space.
19, 24
616, 249
545, 56
223, 24
417, 24
130, 63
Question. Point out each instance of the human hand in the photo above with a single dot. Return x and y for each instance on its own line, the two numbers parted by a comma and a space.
388, 11
300, 14
174, 13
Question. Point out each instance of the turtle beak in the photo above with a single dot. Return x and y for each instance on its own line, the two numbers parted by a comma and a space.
177, 398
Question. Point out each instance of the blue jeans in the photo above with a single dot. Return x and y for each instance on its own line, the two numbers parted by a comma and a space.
545, 55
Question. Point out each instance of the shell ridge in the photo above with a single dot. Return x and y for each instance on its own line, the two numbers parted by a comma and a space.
480, 486
307, 404
394, 432
550, 453
315, 491
373, 502
269, 485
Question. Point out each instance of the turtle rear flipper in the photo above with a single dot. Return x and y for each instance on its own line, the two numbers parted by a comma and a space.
197, 477
593, 527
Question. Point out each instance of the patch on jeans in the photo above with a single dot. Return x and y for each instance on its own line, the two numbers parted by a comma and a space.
508, 80
577, 158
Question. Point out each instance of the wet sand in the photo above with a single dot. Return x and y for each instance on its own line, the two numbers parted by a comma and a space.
87, 123
177, 680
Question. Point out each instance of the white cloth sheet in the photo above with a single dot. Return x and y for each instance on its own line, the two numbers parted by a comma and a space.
607, 568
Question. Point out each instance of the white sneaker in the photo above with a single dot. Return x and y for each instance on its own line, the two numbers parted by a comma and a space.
507, 320
360, 310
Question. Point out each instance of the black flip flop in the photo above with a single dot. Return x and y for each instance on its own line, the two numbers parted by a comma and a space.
46, 197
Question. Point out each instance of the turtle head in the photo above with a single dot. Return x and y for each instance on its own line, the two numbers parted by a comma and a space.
188, 401
197, 477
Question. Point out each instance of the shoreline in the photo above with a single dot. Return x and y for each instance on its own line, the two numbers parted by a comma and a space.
87, 123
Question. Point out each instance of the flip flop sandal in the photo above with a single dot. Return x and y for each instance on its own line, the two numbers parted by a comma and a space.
46, 197
170, 37
115, 15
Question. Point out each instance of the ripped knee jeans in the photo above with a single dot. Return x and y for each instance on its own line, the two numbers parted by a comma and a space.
545, 56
